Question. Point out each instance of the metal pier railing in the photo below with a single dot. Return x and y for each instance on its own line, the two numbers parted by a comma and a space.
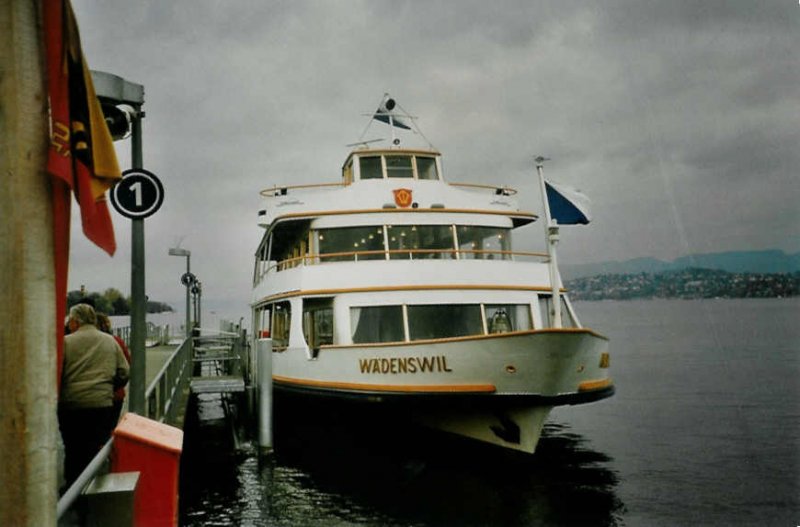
164, 397
169, 385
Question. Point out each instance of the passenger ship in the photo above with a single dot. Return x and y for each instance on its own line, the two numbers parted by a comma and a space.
394, 287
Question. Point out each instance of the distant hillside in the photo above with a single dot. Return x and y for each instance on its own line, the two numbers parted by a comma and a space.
770, 261
686, 283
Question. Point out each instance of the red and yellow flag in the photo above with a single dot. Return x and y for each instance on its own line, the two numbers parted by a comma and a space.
81, 157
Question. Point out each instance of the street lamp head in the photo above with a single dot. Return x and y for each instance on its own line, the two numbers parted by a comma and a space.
179, 252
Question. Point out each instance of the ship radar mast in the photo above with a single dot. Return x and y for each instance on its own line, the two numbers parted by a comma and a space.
390, 112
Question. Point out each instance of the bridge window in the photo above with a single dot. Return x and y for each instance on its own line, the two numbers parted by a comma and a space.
399, 166
371, 167
443, 321
484, 243
341, 243
377, 324
395, 166
426, 168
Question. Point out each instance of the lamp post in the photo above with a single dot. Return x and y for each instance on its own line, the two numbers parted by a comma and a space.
197, 291
122, 103
187, 280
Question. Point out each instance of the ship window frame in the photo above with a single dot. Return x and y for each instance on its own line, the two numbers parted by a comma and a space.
519, 317
432, 171
314, 309
418, 232
381, 168
281, 330
393, 171
433, 165
466, 253
376, 231
444, 330
523, 311
262, 322
358, 313
545, 303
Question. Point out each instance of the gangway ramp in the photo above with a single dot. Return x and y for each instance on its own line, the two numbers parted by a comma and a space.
217, 364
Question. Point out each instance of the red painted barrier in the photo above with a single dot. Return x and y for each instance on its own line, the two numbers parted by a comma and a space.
153, 449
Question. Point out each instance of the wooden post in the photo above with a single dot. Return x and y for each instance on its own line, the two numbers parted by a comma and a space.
28, 427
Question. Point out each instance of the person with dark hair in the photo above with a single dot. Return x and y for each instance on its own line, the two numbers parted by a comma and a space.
94, 366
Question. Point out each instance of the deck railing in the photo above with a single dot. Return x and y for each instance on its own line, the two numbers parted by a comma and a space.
405, 254
282, 190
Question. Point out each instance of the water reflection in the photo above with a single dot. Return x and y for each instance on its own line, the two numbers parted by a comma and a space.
342, 468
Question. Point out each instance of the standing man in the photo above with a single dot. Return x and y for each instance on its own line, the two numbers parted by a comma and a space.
94, 366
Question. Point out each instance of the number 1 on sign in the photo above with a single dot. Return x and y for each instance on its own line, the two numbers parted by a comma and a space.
136, 188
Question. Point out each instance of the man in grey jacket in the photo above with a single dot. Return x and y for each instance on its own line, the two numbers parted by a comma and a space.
94, 366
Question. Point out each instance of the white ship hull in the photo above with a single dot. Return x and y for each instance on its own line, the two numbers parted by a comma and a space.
494, 388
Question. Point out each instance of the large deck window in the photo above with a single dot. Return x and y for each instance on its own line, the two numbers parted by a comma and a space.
377, 324
381, 242
483, 243
442, 321
351, 240
421, 241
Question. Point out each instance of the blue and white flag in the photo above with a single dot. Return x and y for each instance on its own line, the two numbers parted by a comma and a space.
568, 206
385, 110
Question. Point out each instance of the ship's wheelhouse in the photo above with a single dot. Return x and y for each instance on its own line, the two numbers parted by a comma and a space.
422, 165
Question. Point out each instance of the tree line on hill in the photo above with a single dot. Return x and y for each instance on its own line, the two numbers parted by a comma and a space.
112, 302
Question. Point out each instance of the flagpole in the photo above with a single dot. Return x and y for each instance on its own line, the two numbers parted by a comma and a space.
391, 125
551, 240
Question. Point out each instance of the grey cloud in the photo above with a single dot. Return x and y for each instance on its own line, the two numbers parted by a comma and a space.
660, 111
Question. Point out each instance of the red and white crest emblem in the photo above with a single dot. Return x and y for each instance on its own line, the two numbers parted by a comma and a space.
402, 197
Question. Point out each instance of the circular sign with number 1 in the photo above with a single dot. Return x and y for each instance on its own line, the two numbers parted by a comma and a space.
138, 195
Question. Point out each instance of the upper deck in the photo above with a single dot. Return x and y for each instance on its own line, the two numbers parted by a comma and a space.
389, 181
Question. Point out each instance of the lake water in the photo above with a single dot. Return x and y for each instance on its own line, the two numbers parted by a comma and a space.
704, 430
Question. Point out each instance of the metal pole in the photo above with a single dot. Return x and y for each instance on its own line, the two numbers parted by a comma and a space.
136, 402
551, 239
188, 299
199, 304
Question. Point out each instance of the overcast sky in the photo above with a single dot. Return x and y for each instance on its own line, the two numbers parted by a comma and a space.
678, 119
